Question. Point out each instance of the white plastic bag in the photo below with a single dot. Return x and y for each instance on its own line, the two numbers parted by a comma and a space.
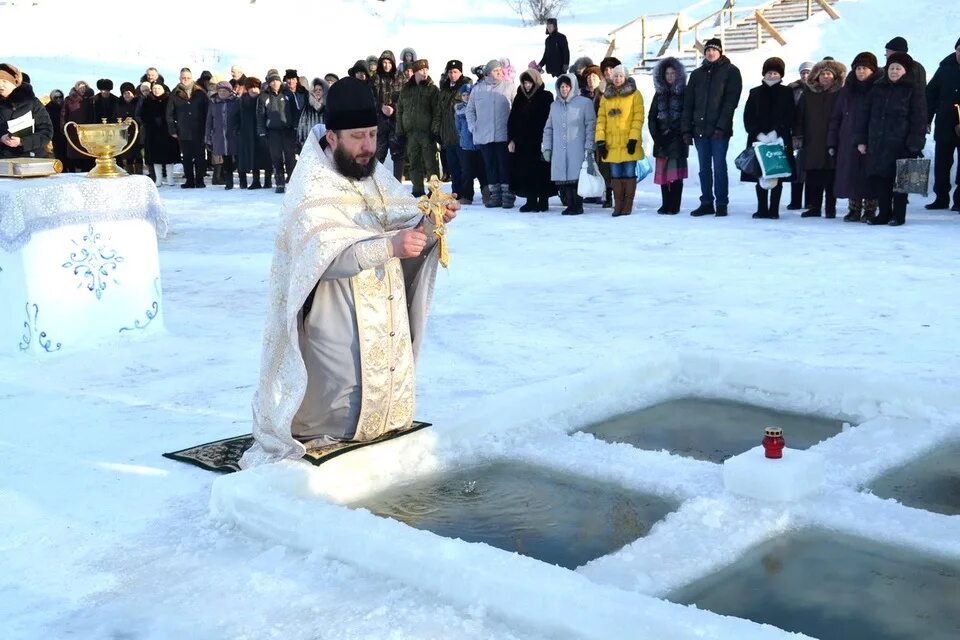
591, 185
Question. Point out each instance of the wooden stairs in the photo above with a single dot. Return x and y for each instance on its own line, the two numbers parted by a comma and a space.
741, 28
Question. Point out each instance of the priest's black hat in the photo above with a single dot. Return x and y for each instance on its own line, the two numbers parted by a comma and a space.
350, 105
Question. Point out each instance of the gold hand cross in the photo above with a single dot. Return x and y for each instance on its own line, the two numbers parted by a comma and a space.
434, 207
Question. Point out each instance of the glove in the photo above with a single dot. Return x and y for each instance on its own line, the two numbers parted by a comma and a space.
631, 146
547, 154
687, 139
831, 151
602, 149
718, 135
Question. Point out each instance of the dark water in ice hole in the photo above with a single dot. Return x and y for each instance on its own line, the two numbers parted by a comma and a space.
836, 587
711, 430
931, 482
550, 516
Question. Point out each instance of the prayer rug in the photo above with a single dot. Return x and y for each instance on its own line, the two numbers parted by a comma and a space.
224, 455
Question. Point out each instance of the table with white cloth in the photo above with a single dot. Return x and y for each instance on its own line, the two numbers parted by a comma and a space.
79, 262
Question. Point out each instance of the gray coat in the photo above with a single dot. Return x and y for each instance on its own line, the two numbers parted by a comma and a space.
223, 126
489, 110
569, 132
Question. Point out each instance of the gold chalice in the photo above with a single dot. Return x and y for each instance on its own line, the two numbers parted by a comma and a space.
105, 141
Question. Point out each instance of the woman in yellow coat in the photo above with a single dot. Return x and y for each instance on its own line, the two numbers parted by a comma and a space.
619, 128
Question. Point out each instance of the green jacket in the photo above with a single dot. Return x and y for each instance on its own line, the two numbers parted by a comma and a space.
416, 108
443, 120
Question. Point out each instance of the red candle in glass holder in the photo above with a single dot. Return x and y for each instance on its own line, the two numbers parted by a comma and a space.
773, 442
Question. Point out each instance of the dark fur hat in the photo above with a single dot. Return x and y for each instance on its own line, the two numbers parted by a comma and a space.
105, 84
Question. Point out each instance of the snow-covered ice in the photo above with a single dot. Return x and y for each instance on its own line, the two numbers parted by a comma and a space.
793, 477
542, 325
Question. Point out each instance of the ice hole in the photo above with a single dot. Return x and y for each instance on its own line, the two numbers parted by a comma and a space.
833, 586
554, 517
931, 482
711, 429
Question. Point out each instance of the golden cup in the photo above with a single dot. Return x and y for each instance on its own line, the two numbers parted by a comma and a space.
105, 141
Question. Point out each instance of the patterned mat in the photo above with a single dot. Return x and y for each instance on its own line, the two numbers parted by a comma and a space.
223, 456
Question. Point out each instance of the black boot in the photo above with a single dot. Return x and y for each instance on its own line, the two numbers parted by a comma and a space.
529, 205
940, 202
608, 198
267, 179
242, 175
956, 200
228, 180
703, 210
543, 203
676, 195
721, 210
773, 212
763, 211
664, 198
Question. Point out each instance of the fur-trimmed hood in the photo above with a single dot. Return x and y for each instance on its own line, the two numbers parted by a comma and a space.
386, 55
660, 76
403, 54
574, 87
23, 94
626, 89
181, 91
535, 77
839, 72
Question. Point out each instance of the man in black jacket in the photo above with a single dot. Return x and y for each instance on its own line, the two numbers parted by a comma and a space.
556, 53
943, 102
186, 119
712, 95
277, 119
17, 99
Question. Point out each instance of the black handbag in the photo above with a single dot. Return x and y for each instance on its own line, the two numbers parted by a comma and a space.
747, 163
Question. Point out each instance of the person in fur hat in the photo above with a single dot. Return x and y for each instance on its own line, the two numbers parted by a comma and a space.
105, 103
810, 136
669, 151
618, 137
416, 110
895, 127
769, 109
446, 125
222, 132
17, 99
312, 114
253, 153
712, 95
848, 114
128, 107
556, 52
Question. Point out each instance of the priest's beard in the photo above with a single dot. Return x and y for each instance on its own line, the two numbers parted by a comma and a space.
349, 167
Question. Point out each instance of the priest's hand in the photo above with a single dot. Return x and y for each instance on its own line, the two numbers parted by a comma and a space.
451, 211
409, 243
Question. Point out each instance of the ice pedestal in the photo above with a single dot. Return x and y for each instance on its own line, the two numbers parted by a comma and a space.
79, 262
796, 475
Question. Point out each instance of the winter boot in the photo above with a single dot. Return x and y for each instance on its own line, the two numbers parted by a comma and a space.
703, 210
267, 179
574, 202
831, 209
255, 180
158, 170
495, 197
543, 204
869, 210
763, 209
529, 205
217, 175
721, 211
619, 187
940, 202
854, 210
956, 200
168, 170
228, 180
485, 195
608, 198
629, 191
773, 212
664, 198
242, 176
676, 195
507, 199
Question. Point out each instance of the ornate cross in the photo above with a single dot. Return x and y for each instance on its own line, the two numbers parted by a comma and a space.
434, 207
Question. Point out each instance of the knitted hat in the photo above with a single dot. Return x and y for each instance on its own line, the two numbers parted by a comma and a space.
898, 44
774, 64
865, 59
608, 63
10, 73
127, 86
223, 84
901, 58
291, 74
350, 105
144, 87
619, 70
420, 64
490, 66
806, 66
331, 77
713, 43
454, 64
104, 84
252, 82
272, 75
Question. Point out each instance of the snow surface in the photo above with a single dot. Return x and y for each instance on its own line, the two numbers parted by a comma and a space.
542, 324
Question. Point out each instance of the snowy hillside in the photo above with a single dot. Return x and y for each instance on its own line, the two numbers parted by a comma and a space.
542, 324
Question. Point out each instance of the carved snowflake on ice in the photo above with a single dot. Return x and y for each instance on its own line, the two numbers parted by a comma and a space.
93, 262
